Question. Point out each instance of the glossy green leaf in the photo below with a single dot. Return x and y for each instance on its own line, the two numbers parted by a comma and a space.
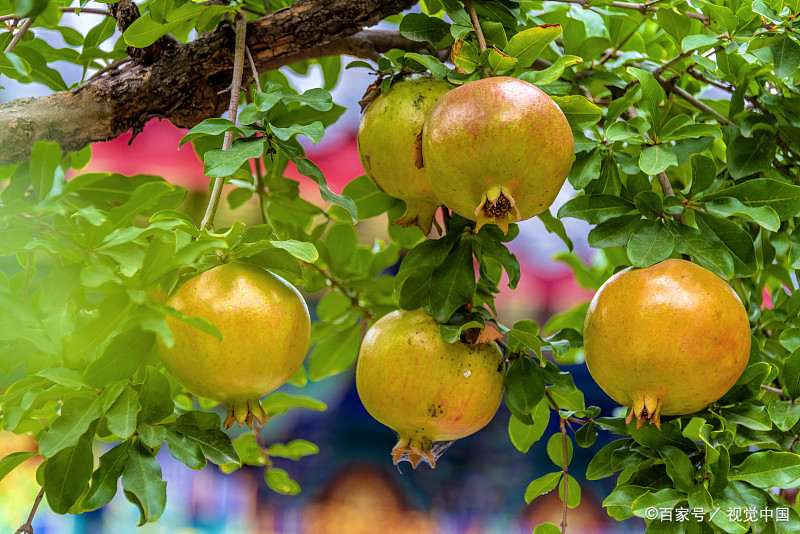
769, 469
650, 243
542, 485
524, 435
279, 403
142, 484
524, 385
279, 481
529, 44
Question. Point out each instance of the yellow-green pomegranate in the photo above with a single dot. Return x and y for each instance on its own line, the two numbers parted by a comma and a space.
425, 389
666, 340
389, 146
497, 150
265, 330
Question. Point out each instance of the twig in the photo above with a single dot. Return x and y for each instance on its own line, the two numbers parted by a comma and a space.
772, 390
641, 8
236, 83
19, 34
80, 10
478, 32
253, 68
27, 528
7, 17
110, 66
566, 476
614, 50
671, 62
692, 100
666, 187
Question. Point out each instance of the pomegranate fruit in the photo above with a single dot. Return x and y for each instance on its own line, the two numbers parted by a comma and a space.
669, 339
497, 150
388, 145
265, 330
425, 389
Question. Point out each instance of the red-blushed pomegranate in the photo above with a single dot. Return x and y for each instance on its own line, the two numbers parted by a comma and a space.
669, 339
388, 145
425, 389
265, 330
497, 150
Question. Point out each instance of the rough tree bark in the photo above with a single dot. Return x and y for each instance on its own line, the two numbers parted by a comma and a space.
184, 84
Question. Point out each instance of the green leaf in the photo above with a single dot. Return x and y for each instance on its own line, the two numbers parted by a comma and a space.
309, 169
700, 498
555, 226
104, 480
145, 31
789, 339
656, 159
749, 415
219, 163
438, 69
420, 27
529, 44
769, 469
154, 397
121, 417
279, 403
551, 73
142, 484
524, 435
280, 482
791, 374
547, 528
579, 111
216, 445
573, 491
301, 250
45, 160
728, 206
784, 414
10, 462
121, 359
62, 376
711, 254
316, 98
313, 131
77, 414
67, 474
213, 126
783, 198
676, 24
586, 435
785, 56
614, 232
652, 96
595, 209
152, 436
335, 354
650, 243
524, 385
369, 200
751, 155
679, 467
524, 336
736, 241
293, 450
453, 283
555, 449
186, 450
542, 485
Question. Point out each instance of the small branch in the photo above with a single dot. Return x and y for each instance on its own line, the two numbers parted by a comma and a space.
110, 66
773, 390
236, 84
566, 475
478, 32
641, 8
671, 62
253, 68
613, 52
7, 17
666, 187
81, 10
19, 34
672, 88
27, 528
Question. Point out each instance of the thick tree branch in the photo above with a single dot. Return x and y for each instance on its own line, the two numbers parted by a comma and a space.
183, 85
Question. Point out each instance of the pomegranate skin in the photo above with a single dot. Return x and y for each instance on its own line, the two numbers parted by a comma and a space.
425, 389
388, 146
497, 150
669, 339
265, 329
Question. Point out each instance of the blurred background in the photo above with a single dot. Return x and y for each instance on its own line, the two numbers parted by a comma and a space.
351, 486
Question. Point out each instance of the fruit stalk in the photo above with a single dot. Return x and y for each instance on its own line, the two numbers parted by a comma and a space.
478, 32
236, 83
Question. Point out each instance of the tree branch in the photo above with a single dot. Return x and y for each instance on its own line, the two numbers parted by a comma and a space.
182, 86
478, 32
27, 528
563, 424
19, 34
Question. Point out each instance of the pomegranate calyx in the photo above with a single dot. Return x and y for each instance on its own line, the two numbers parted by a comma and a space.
244, 413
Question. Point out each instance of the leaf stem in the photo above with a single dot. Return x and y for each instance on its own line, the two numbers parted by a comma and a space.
25, 25
27, 528
563, 424
478, 32
236, 84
